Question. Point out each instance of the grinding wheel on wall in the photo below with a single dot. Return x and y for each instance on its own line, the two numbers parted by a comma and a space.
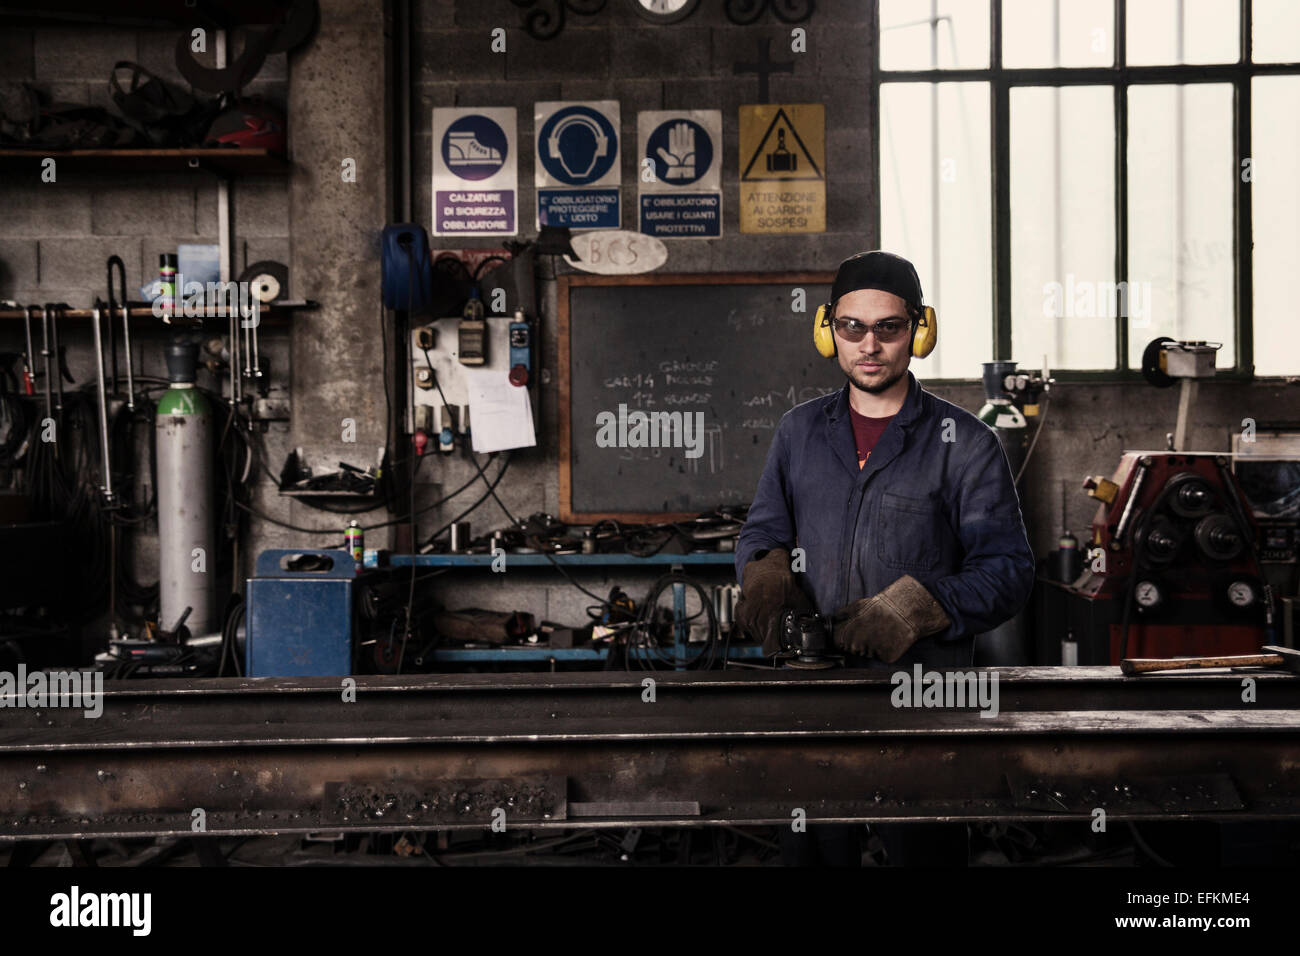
268, 281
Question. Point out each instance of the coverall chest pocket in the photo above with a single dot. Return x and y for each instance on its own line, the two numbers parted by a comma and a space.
907, 532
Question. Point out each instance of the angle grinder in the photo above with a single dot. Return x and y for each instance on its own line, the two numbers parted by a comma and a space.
806, 636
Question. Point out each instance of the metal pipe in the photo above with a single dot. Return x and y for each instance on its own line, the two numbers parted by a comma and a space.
224, 231
107, 486
404, 36
113, 634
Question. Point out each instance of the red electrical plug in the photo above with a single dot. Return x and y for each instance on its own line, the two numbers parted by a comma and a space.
421, 439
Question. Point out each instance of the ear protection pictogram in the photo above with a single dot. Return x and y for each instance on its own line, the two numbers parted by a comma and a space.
553, 142
925, 332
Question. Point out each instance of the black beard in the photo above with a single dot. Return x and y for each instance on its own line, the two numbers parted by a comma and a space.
875, 389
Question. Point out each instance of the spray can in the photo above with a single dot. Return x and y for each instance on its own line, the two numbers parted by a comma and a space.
167, 282
356, 542
1069, 563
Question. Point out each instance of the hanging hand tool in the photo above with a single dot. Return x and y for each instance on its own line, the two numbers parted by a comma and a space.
248, 348
268, 282
257, 367
53, 309
233, 312
250, 331
126, 343
45, 354
113, 301
107, 478
29, 360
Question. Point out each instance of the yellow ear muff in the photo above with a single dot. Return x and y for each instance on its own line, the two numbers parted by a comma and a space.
824, 332
926, 336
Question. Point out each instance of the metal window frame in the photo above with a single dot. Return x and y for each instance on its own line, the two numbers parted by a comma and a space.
1120, 76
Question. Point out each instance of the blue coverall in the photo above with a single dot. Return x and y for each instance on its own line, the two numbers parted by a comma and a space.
934, 500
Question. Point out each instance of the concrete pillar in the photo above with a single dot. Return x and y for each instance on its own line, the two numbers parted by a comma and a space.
339, 110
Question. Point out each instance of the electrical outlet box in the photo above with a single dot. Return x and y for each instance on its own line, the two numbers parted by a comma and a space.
451, 373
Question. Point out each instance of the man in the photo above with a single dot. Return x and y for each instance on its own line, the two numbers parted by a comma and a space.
904, 509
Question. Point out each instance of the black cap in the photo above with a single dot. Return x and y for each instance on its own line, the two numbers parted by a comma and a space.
878, 270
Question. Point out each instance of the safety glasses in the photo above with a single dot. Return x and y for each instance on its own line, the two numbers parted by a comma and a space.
886, 330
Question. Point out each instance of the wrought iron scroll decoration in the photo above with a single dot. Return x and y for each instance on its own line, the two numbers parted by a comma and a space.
745, 12
544, 19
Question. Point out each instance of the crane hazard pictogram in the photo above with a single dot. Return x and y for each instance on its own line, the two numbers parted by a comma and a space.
783, 168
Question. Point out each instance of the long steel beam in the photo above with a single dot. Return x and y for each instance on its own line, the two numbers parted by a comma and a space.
273, 755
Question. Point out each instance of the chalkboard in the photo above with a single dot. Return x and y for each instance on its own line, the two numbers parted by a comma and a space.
703, 366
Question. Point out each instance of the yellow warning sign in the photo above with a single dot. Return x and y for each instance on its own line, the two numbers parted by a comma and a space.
783, 168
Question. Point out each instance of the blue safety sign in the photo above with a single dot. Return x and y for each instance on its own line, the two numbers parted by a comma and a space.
474, 147
681, 151
577, 171
577, 145
475, 171
679, 173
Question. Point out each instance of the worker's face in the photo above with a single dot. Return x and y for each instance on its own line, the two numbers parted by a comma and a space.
870, 364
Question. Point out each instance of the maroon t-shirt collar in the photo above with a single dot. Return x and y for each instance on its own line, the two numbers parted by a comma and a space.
866, 432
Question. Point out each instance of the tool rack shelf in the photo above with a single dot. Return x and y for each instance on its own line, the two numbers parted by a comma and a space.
566, 560
222, 162
270, 316
681, 648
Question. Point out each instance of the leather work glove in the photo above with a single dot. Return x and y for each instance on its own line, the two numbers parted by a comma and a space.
770, 587
889, 623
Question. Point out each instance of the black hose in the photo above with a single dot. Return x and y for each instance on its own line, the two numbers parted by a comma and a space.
642, 639
236, 611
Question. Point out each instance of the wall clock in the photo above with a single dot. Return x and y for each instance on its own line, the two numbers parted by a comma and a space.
664, 11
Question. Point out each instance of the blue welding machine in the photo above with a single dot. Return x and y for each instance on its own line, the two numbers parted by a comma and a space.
299, 618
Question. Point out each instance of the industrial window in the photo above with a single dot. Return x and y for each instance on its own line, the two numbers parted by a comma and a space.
1074, 178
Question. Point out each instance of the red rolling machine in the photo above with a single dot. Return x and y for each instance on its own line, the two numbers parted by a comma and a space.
1173, 553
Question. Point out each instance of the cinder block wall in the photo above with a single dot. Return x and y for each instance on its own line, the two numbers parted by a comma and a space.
55, 237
